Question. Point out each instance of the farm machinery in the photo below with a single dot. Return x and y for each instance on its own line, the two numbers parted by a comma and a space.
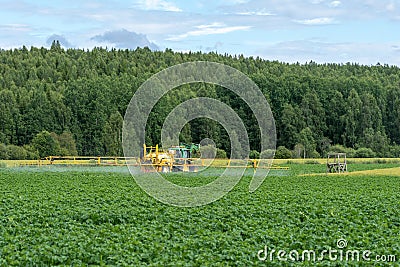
182, 158
174, 159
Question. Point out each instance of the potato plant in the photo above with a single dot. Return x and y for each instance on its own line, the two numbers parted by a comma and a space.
103, 218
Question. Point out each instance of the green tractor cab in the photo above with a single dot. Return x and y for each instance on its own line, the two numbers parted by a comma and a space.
184, 157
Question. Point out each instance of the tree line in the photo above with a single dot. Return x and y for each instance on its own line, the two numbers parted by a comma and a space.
75, 100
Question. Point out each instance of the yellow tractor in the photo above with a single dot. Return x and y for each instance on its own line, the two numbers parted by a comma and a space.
153, 159
174, 159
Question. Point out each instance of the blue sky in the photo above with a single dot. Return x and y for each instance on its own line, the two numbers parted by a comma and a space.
339, 31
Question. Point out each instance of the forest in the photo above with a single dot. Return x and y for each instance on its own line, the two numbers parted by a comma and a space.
57, 101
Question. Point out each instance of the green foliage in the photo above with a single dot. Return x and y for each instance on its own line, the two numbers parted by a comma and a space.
341, 149
12, 152
314, 154
298, 151
45, 144
306, 138
314, 117
254, 154
323, 146
291, 125
392, 116
267, 154
100, 218
376, 141
112, 135
395, 151
221, 154
67, 144
283, 153
335, 117
31, 153
85, 94
3, 151
9, 114
364, 152
338, 149
16, 152
208, 152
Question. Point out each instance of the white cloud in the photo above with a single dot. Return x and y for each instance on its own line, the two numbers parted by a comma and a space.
235, 2
335, 3
161, 5
207, 29
262, 12
390, 7
326, 52
125, 39
316, 21
100, 16
16, 27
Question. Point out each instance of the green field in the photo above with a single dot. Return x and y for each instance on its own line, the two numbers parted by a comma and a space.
99, 216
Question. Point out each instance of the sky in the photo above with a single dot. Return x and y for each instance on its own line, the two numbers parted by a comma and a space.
324, 31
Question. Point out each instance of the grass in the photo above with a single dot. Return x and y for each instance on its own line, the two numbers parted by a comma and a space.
388, 171
376, 172
99, 216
